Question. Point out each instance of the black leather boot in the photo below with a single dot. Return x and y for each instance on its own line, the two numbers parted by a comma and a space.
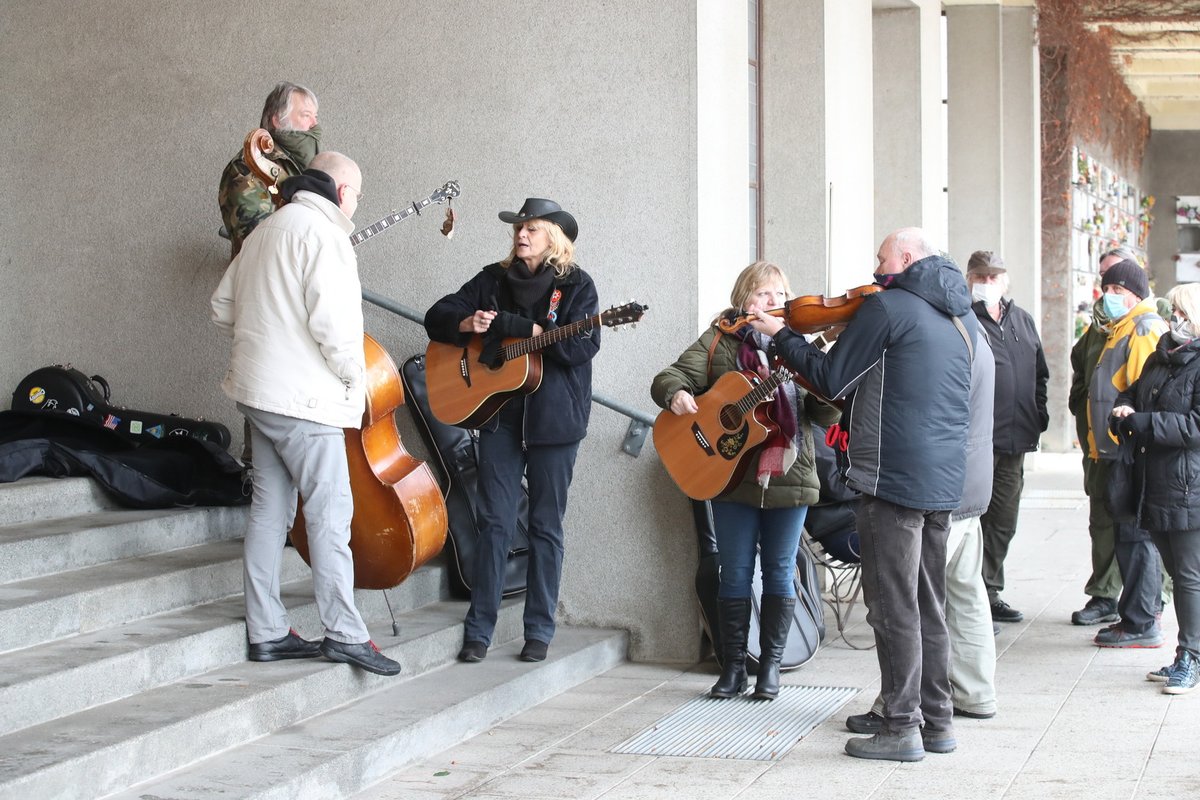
735, 629
774, 620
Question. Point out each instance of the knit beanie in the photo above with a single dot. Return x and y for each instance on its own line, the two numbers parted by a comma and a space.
1130, 275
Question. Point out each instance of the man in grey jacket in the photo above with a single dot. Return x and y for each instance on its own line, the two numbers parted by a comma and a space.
972, 639
904, 366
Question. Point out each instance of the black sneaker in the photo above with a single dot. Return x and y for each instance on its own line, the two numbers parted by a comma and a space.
1003, 612
869, 722
1097, 610
534, 650
1184, 676
1163, 674
473, 652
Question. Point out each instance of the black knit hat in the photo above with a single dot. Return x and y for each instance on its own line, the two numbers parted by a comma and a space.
1128, 274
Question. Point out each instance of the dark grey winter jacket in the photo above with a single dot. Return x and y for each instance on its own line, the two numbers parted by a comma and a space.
906, 373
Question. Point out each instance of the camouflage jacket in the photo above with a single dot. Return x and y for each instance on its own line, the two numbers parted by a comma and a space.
243, 198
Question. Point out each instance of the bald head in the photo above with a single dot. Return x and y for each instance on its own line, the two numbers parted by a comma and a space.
901, 249
345, 174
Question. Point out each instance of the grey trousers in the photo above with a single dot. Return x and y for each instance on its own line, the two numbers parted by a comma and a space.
1181, 557
1000, 521
289, 455
969, 621
904, 586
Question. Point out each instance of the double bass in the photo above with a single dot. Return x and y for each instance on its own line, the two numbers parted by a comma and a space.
400, 519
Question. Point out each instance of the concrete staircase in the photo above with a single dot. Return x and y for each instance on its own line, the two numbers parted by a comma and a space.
123, 667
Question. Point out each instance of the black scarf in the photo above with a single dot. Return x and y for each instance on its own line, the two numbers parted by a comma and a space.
528, 287
311, 180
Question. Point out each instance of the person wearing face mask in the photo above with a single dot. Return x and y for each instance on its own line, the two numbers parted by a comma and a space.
1158, 416
290, 115
1020, 413
903, 364
1133, 334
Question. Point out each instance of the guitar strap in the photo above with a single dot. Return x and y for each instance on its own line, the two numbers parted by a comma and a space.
712, 348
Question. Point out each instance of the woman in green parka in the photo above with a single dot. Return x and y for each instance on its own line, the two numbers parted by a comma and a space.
766, 510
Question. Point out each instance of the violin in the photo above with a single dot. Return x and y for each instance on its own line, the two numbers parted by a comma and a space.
400, 519
811, 313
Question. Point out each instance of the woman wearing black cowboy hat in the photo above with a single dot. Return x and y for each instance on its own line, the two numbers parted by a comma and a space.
536, 288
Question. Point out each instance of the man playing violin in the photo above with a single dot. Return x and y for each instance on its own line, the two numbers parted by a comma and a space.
292, 302
290, 115
903, 365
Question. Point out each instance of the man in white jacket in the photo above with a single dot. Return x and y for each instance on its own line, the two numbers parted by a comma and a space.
292, 303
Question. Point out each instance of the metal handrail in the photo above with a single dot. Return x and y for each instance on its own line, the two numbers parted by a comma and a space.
640, 422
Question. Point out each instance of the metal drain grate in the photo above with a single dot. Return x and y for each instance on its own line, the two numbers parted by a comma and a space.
756, 730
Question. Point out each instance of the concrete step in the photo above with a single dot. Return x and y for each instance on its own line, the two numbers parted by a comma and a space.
50, 607
72, 674
111, 747
342, 752
42, 547
44, 498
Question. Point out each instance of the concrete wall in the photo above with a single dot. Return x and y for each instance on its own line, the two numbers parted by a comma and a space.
1171, 168
121, 115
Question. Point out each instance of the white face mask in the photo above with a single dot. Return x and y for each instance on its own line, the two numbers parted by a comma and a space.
987, 293
1182, 330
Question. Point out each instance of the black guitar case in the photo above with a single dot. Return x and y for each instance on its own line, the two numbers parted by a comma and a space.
65, 390
808, 622
456, 466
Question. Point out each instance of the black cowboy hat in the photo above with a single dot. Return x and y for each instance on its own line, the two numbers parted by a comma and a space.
537, 208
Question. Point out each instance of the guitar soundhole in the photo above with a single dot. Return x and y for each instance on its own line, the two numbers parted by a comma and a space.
731, 444
730, 417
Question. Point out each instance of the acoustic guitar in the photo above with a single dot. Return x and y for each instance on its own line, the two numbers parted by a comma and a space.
707, 453
467, 393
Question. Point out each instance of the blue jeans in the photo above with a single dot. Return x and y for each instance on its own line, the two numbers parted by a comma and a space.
741, 531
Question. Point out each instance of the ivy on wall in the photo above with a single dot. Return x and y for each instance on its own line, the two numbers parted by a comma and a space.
1084, 98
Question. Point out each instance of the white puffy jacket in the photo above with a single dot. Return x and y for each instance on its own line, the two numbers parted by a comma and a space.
292, 302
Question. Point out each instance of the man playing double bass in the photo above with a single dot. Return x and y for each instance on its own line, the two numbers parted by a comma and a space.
290, 116
292, 302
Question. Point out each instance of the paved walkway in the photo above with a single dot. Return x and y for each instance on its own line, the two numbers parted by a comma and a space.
1075, 721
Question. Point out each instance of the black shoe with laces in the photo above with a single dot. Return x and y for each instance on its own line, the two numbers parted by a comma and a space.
1003, 612
1097, 611
869, 722
364, 655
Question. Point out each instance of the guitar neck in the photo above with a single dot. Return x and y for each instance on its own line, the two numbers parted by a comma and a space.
360, 236
526, 346
764, 390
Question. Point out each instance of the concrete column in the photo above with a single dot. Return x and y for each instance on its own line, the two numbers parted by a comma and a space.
722, 152
818, 166
910, 159
994, 145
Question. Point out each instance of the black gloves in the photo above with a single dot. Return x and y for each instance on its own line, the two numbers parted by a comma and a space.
507, 325
1136, 426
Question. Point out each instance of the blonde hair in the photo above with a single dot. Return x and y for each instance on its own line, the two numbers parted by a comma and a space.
751, 278
560, 254
1186, 298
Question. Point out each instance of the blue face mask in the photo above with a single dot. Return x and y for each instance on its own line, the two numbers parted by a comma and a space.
1114, 306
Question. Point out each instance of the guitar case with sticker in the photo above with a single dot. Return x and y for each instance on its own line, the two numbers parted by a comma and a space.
457, 467
65, 390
